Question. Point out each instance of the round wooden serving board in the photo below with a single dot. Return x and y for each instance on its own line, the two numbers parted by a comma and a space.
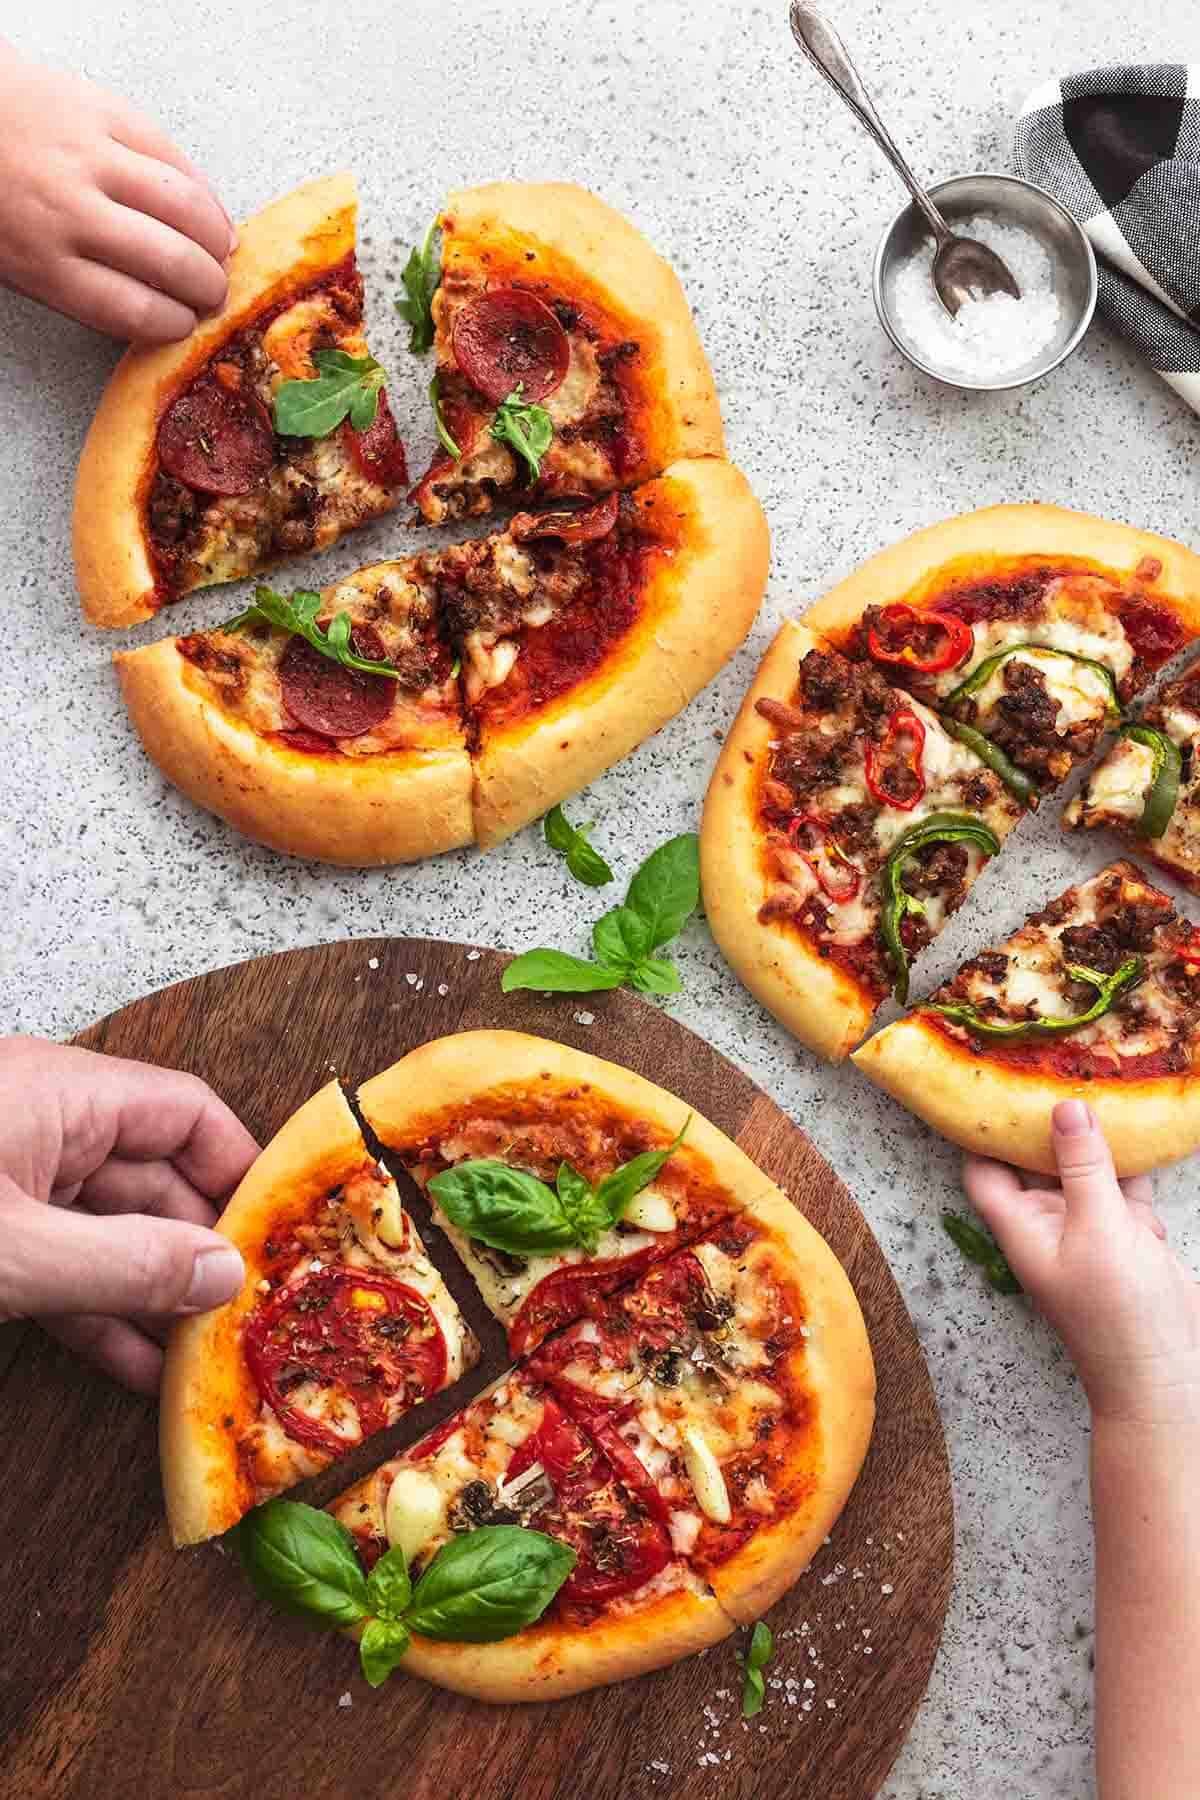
129, 1669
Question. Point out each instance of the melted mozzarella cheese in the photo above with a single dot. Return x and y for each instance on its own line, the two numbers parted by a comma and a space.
651, 1210
576, 391
1081, 693
685, 1528
1119, 786
415, 1511
1090, 629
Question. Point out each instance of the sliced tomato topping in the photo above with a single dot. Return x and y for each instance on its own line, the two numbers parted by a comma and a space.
508, 338
1155, 633
571, 527
367, 1338
326, 697
216, 439
573, 1292
432, 1443
378, 451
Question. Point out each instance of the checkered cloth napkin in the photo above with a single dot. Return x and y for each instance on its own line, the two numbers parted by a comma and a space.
1121, 149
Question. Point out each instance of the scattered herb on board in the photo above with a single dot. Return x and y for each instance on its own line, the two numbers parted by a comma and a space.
481, 1587
299, 616
525, 427
571, 841
762, 1644
978, 1246
344, 386
420, 276
662, 897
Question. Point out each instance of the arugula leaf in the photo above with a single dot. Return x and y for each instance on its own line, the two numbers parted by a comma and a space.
762, 1644
303, 1561
345, 386
299, 616
526, 427
554, 972
583, 862
666, 889
489, 1584
381, 1647
621, 938
980, 1247
618, 1189
389, 1587
420, 276
656, 976
503, 1207
439, 424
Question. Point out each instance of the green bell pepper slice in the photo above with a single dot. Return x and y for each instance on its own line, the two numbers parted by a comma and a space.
1163, 792
938, 828
987, 668
1109, 989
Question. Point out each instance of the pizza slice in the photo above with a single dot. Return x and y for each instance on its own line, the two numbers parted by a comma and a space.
514, 1139
843, 824
1097, 997
1028, 628
567, 360
265, 433
1147, 789
342, 1326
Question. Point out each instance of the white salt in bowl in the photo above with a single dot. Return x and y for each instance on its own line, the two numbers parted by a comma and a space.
1062, 281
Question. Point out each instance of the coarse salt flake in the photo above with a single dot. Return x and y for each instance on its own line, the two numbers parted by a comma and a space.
372, 962
990, 337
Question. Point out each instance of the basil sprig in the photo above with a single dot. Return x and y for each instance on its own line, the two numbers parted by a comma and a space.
993, 757
979, 1247
481, 1587
420, 276
345, 386
571, 841
299, 616
938, 828
1109, 989
1162, 796
980, 676
515, 1212
525, 427
439, 424
662, 897
757, 1656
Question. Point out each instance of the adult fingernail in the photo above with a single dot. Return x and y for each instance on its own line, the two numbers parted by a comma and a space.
1072, 1118
217, 1275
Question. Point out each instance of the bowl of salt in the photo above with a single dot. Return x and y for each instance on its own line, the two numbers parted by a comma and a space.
998, 342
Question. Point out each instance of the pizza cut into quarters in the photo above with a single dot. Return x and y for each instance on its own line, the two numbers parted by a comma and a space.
568, 363
265, 433
1096, 997
342, 1326
1147, 789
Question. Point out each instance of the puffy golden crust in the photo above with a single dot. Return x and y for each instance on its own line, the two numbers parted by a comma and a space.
996, 532
996, 1110
436, 1083
353, 811
833, 1363
289, 244
568, 225
696, 611
204, 1381
819, 1002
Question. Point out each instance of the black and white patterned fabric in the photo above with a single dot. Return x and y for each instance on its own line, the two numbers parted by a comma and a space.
1120, 148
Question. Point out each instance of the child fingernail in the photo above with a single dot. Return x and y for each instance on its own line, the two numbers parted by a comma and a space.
1072, 1118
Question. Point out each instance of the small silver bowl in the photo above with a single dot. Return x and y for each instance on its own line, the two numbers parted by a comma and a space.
1011, 201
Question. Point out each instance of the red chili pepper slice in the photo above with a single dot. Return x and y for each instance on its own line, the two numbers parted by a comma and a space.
839, 878
1189, 950
894, 773
952, 643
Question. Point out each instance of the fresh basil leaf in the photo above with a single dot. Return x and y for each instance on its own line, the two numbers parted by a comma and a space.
754, 1692
666, 889
762, 1645
526, 428
621, 938
554, 972
618, 1189
559, 833
299, 616
588, 1213
586, 863
489, 1584
380, 1649
439, 424
420, 276
304, 1562
344, 386
981, 1248
755, 1660
654, 976
389, 1587
503, 1207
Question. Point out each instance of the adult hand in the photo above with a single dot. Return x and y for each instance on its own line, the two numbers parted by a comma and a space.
109, 1171
1093, 1255
101, 217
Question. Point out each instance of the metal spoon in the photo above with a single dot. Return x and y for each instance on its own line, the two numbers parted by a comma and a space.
963, 268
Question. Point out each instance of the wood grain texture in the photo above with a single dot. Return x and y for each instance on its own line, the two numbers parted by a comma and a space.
129, 1669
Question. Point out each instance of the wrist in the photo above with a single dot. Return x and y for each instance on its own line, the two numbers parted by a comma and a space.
1135, 1408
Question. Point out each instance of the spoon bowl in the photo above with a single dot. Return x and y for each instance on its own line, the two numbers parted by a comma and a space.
965, 269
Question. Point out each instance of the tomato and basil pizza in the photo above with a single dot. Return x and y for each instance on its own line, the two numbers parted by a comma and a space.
342, 1326
1096, 996
265, 433
452, 696
1147, 789
567, 360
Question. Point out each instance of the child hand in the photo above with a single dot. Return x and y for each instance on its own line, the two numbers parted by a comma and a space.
1094, 1257
100, 216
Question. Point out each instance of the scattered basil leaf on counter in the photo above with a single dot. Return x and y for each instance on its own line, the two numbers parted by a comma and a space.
299, 616
525, 427
762, 1644
420, 276
978, 1246
303, 1561
439, 424
345, 386
583, 862
489, 1584
662, 897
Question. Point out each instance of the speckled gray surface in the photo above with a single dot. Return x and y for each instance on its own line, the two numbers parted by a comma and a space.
700, 122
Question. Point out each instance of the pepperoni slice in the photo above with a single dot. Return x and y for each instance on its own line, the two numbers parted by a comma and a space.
571, 527
377, 451
326, 697
508, 337
218, 440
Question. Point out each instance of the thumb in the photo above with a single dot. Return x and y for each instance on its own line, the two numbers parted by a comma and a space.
57, 1261
1085, 1167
